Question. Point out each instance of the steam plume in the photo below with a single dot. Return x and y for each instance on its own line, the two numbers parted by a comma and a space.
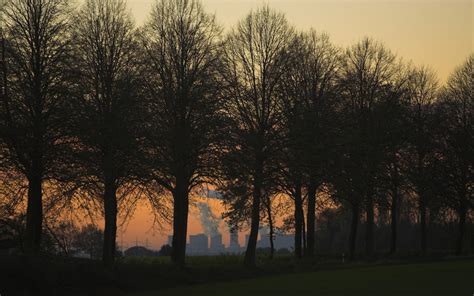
209, 222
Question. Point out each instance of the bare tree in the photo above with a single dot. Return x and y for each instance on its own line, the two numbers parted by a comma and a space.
322, 66
346, 181
395, 178
292, 163
34, 53
107, 116
292, 173
308, 102
255, 59
369, 73
457, 110
182, 47
422, 91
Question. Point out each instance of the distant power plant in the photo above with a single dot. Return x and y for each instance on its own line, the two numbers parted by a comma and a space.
199, 245
234, 246
203, 245
217, 247
211, 244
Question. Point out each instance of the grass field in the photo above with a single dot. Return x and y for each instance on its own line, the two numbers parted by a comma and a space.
226, 275
446, 278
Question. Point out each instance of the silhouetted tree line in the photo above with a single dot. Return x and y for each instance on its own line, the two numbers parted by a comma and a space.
97, 114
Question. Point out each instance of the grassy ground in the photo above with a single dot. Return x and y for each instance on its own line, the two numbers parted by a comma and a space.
446, 278
284, 275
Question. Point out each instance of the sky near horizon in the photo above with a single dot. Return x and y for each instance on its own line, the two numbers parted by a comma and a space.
435, 33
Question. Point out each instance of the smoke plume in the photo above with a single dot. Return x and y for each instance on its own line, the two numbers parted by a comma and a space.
209, 222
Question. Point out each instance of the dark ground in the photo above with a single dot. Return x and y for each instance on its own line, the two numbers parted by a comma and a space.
52, 276
430, 279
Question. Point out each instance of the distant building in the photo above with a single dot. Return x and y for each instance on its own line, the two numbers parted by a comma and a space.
234, 246
198, 244
217, 247
284, 241
170, 240
280, 241
264, 241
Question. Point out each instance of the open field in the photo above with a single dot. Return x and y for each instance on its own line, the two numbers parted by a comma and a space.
447, 279
225, 275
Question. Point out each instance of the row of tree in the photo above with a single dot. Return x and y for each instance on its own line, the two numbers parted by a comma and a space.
96, 114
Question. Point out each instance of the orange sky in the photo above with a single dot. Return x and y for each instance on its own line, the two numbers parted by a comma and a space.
437, 33
140, 228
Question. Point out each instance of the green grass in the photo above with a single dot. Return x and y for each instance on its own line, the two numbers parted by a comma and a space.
440, 278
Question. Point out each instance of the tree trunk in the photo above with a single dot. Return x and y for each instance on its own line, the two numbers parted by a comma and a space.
393, 218
298, 220
110, 230
270, 224
250, 253
180, 222
422, 226
422, 204
369, 234
303, 231
311, 218
462, 226
34, 212
353, 232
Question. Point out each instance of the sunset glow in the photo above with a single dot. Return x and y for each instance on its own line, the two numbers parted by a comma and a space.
236, 147
438, 33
